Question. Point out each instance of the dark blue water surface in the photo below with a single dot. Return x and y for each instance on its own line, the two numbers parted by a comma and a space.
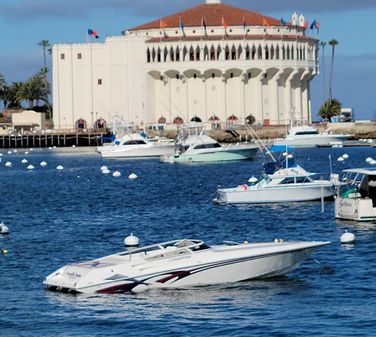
56, 218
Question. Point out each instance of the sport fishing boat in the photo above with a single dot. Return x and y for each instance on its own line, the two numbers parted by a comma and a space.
308, 136
282, 182
356, 199
197, 146
133, 145
181, 263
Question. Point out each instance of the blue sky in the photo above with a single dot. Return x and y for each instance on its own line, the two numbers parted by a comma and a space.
25, 22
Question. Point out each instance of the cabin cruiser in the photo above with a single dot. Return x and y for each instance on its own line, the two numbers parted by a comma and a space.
133, 145
282, 182
181, 263
197, 146
356, 199
308, 136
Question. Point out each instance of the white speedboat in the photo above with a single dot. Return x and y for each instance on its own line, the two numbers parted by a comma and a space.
356, 199
181, 263
289, 183
133, 145
308, 136
197, 146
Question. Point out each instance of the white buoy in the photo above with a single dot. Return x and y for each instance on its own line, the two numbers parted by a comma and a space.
340, 159
73, 145
31, 149
345, 156
8, 164
60, 167
54, 147
15, 151
133, 176
10, 152
1, 154
24, 161
369, 159
372, 162
30, 167
3, 228
131, 241
347, 237
253, 180
104, 167
43, 163
26, 152
289, 156
50, 148
116, 174
106, 171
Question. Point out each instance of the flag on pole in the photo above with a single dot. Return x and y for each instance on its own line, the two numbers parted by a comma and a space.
265, 22
283, 22
313, 25
181, 24
306, 24
318, 26
203, 24
224, 23
93, 33
244, 24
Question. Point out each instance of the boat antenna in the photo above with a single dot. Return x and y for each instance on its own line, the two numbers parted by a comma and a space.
261, 145
330, 164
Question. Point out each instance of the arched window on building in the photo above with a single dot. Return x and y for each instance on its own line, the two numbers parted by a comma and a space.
250, 119
219, 51
177, 54
159, 55
148, 56
178, 120
292, 53
247, 53
165, 54
233, 53
80, 124
227, 53
259, 53
287, 53
283, 53
266, 52
197, 53
240, 52
253, 52
206, 53
232, 120
191, 54
272, 52
212, 53
153, 55
215, 121
100, 124
162, 120
185, 52
196, 119
277, 53
172, 55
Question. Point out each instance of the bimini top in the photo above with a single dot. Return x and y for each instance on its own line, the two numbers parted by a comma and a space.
366, 171
212, 13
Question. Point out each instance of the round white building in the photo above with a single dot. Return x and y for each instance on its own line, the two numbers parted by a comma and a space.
213, 62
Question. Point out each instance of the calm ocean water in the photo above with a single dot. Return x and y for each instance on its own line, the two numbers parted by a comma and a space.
56, 218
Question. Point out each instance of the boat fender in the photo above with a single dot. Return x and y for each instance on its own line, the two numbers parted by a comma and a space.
244, 187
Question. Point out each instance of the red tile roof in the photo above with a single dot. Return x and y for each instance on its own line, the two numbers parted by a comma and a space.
212, 14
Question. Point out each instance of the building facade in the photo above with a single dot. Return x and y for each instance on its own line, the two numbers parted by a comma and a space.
213, 62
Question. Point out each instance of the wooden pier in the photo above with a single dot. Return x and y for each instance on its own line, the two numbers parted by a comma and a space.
58, 138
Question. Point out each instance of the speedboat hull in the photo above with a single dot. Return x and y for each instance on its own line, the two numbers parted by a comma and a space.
214, 265
300, 192
134, 151
312, 141
225, 154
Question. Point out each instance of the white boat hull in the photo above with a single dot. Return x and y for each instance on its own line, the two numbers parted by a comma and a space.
312, 141
358, 209
134, 151
299, 192
220, 264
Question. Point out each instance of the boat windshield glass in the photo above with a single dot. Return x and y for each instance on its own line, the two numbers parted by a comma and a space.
134, 142
304, 133
207, 146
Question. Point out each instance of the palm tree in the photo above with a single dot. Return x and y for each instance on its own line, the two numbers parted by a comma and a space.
331, 108
34, 89
2, 88
45, 44
333, 43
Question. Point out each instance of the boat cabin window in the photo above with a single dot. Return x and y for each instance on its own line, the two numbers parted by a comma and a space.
367, 188
295, 180
303, 133
134, 142
207, 146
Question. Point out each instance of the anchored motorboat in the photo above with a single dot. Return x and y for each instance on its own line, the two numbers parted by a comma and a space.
308, 136
283, 181
356, 198
194, 145
133, 145
181, 263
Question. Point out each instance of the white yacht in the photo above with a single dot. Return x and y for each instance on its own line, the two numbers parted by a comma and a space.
197, 146
281, 183
133, 145
181, 263
308, 136
356, 199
